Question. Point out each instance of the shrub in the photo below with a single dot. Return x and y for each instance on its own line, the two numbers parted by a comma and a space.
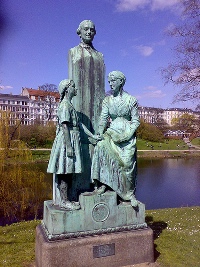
22, 188
38, 135
149, 132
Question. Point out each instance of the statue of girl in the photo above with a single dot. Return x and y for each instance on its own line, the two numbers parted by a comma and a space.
66, 156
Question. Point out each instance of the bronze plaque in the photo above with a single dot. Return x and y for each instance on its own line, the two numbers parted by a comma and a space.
104, 250
100, 212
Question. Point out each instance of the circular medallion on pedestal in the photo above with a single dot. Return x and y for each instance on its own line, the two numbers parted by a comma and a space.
100, 212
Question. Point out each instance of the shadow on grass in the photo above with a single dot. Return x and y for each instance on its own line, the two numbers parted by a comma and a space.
157, 227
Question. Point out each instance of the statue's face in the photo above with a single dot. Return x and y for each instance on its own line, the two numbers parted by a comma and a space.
87, 32
115, 84
73, 89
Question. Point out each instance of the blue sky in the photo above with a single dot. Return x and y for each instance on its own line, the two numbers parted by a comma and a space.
37, 35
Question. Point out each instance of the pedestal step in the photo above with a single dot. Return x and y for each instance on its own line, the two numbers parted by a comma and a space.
107, 250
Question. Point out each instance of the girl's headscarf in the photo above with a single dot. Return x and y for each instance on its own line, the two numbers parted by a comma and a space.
63, 86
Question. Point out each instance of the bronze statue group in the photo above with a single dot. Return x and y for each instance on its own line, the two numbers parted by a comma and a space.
110, 124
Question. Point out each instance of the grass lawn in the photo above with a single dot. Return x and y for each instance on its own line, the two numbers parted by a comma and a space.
166, 145
196, 141
43, 155
176, 236
176, 239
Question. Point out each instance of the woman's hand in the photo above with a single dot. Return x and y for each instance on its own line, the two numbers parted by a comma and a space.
97, 137
70, 152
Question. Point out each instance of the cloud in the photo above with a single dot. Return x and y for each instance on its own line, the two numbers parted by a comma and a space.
160, 43
163, 4
124, 53
132, 5
151, 92
4, 87
145, 50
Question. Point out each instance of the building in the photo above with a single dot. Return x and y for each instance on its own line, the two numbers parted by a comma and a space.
151, 115
37, 105
172, 113
43, 104
31, 106
154, 115
17, 105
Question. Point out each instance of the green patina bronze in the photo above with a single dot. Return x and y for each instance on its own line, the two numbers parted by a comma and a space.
66, 155
86, 67
115, 161
114, 168
75, 163
99, 214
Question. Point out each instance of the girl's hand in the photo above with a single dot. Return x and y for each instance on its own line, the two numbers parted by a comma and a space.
97, 137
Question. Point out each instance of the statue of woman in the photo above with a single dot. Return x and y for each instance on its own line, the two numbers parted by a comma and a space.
114, 161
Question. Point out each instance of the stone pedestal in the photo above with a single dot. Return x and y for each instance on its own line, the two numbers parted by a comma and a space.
98, 214
102, 233
106, 250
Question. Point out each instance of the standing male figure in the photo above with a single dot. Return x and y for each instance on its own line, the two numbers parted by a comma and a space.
86, 68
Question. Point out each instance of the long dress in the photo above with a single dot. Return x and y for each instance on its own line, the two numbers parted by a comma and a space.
59, 162
86, 68
114, 161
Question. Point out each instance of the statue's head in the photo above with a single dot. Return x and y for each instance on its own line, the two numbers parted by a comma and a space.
66, 85
86, 31
116, 74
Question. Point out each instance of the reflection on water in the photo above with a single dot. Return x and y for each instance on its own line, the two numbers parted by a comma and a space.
164, 183
168, 183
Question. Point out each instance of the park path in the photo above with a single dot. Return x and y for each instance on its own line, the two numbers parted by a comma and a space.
190, 145
159, 150
147, 264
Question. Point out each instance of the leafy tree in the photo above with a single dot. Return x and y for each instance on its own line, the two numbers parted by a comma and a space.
22, 188
186, 122
149, 132
184, 71
155, 117
50, 95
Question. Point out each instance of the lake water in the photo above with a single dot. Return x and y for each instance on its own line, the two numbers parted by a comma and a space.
168, 183
164, 183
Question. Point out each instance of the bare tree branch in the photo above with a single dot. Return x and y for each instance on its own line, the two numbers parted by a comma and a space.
50, 94
184, 71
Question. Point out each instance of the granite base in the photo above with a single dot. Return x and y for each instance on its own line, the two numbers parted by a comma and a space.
113, 250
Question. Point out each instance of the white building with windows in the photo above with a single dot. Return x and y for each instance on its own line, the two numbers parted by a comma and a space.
151, 115
42, 104
31, 106
35, 105
17, 105
172, 113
